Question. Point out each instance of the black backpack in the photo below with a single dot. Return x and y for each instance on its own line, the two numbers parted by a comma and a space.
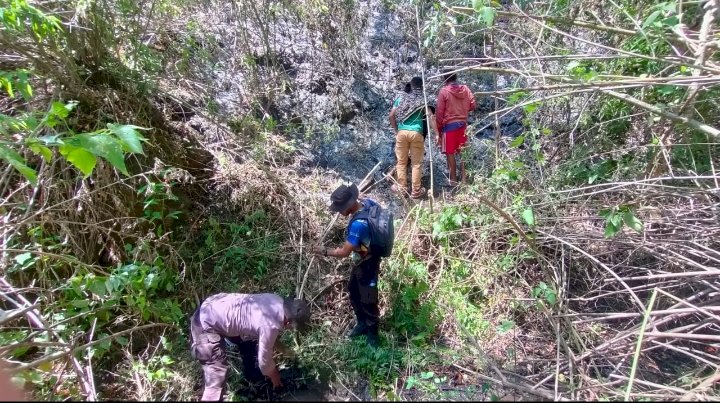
382, 229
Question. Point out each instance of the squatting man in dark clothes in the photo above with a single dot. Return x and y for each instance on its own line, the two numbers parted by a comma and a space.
363, 243
251, 321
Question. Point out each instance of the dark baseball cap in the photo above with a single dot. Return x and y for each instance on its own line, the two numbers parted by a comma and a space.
343, 198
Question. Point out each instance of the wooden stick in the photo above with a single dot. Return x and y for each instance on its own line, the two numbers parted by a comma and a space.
671, 275
507, 384
427, 116
689, 336
646, 383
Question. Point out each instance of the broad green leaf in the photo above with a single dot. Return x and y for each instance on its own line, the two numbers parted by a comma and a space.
131, 139
518, 141
23, 257
632, 221
427, 375
550, 296
610, 230
478, 5
17, 162
104, 146
41, 150
82, 159
616, 220
651, 18
528, 216
671, 21
488, 15
51, 140
59, 109
23, 85
80, 303
98, 287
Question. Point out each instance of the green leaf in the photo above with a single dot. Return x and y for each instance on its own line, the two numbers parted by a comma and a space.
528, 216
632, 221
427, 375
487, 14
23, 257
458, 220
530, 108
478, 5
104, 146
41, 150
550, 296
610, 230
60, 110
518, 141
82, 159
23, 85
572, 65
80, 303
51, 140
17, 162
130, 138
651, 18
505, 326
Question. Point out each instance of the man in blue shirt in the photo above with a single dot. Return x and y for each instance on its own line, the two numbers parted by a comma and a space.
362, 285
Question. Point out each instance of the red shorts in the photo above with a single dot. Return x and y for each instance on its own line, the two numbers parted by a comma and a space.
454, 140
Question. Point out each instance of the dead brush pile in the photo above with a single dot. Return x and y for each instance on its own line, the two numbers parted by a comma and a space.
595, 312
640, 307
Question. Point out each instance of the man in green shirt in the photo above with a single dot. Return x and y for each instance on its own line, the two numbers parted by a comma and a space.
406, 118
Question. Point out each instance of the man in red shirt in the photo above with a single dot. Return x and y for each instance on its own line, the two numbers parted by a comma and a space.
454, 102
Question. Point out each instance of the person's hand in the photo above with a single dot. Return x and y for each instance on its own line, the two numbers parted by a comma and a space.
437, 141
275, 379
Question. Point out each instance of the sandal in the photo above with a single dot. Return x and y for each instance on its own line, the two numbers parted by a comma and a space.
419, 194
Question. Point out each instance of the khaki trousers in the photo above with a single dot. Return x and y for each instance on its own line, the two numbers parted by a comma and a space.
412, 143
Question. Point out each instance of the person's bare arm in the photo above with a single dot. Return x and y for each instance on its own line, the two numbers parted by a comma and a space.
393, 119
266, 344
343, 251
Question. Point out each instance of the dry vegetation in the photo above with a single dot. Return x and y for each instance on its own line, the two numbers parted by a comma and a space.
582, 263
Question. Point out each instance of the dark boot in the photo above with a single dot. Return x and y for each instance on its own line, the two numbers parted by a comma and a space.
372, 340
359, 330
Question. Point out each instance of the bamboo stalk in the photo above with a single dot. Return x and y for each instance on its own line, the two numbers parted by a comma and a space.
636, 356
